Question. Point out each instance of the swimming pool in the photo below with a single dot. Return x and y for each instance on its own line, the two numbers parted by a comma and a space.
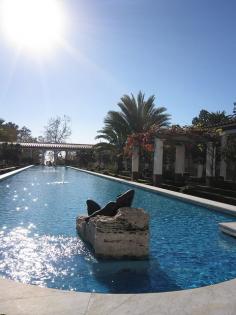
39, 244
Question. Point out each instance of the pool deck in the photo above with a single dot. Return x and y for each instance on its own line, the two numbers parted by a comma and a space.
22, 299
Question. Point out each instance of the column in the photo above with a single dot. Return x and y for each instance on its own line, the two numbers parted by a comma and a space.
158, 161
125, 164
223, 165
135, 163
209, 162
55, 155
179, 161
66, 156
43, 157
199, 170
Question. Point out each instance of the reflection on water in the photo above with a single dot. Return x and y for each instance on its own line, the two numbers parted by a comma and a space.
39, 244
31, 258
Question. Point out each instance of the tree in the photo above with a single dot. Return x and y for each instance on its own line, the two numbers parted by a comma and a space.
57, 130
8, 131
208, 119
136, 116
10, 153
116, 139
234, 110
140, 115
41, 139
25, 135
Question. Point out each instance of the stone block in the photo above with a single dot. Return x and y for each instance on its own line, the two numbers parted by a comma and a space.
124, 235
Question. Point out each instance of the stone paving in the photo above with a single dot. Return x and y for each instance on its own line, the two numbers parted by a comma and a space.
22, 299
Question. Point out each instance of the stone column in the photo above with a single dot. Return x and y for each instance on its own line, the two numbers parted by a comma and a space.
209, 162
135, 163
55, 154
223, 165
158, 161
125, 164
179, 161
214, 162
66, 156
43, 157
199, 170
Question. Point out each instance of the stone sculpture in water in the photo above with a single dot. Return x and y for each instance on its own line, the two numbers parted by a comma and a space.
110, 209
116, 230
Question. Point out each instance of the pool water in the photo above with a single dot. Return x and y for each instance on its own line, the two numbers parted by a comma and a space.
39, 244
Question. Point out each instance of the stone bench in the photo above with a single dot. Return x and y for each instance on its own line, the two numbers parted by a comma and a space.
124, 235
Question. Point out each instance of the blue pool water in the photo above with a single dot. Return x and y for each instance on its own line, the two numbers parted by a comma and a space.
39, 244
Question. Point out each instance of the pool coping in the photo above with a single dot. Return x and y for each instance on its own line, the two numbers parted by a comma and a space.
228, 228
24, 299
6, 175
210, 204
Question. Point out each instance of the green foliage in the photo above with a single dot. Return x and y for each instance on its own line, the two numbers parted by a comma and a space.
24, 135
10, 153
140, 115
136, 115
207, 119
234, 110
10, 132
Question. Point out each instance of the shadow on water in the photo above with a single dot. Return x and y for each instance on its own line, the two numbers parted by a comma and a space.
133, 276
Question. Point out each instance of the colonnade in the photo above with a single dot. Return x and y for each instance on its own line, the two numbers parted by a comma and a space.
55, 154
180, 161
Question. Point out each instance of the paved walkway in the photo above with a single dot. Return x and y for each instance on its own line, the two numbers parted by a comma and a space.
21, 299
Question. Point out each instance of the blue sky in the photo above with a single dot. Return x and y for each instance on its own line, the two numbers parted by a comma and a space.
183, 51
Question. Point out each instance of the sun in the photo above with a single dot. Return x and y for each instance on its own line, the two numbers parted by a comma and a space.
33, 25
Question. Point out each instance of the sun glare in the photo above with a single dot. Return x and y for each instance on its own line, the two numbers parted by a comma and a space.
33, 25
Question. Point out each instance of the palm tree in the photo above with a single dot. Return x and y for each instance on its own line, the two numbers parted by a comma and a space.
208, 119
115, 137
140, 115
137, 115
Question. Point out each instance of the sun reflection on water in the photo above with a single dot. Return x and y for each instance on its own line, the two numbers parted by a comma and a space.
30, 258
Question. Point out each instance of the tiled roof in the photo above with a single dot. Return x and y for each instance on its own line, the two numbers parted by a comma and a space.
72, 146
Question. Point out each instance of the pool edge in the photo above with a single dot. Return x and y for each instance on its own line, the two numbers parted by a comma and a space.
18, 298
210, 204
4, 176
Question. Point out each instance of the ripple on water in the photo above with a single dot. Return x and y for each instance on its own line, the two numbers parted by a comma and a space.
30, 258
39, 245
